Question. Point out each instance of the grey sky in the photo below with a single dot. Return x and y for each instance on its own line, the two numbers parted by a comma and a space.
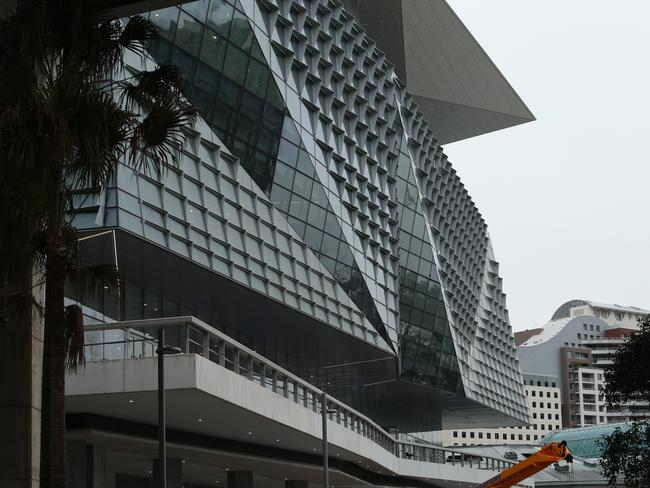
566, 197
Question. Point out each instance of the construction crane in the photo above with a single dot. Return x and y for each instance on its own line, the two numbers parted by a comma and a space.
547, 455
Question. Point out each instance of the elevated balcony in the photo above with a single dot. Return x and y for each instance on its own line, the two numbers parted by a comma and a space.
220, 389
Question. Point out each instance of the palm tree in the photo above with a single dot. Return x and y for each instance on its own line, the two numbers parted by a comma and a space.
66, 120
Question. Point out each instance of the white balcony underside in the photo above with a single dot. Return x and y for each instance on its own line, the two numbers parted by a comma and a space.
230, 406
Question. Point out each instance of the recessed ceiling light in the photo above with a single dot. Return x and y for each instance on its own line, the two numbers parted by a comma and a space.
227, 469
250, 433
277, 440
131, 401
183, 461
199, 420
313, 448
337, 454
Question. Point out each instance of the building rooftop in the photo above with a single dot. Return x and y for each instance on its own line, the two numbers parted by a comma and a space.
583, 440
548, 331
565, 309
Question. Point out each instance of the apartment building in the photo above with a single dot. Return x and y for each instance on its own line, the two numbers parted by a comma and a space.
544, 402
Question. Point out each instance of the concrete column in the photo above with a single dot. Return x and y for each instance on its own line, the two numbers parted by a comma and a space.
21, 366
296, 484
85, 465
174, 472
240, 479
77, 464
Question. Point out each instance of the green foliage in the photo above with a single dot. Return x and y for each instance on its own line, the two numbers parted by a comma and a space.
626, 455
626, 451
629, 378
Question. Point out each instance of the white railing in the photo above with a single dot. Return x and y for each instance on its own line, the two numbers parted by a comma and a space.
137, 338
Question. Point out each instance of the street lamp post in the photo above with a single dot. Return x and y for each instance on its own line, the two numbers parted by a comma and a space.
326, 474
325, 411
162, 350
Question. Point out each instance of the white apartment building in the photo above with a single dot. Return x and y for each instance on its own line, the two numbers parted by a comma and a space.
587, 404
614, 314
602, 352
545, 406
576, 345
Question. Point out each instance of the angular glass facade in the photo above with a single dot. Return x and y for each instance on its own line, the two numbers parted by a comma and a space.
228, 80
226, 77
314, 187
427, 348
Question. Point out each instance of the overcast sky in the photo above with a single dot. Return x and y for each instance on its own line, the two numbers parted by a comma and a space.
567, 197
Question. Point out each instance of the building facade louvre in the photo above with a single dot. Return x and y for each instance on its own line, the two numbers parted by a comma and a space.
313, 215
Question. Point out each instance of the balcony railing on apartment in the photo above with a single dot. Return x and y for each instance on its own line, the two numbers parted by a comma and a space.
137, 338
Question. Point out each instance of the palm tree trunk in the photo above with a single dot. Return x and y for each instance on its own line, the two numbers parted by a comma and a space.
53, 418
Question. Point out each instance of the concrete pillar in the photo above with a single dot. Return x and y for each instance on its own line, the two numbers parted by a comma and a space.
21, 365
296, 484
85, 465
77, 464
240, 479
174, 472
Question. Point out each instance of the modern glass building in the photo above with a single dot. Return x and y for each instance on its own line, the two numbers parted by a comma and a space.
312, 214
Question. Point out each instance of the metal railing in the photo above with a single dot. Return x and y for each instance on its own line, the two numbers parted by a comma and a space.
133, 339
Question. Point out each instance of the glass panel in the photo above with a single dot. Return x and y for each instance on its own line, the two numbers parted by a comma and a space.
197, 8
236, 64
241, 33
257, 78
213, 50
166, 20
220, 16
189, 34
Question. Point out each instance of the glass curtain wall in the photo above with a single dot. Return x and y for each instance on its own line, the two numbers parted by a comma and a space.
427, 349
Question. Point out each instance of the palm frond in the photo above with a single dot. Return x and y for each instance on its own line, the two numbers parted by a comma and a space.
74, 338
156, 139
148, 88
136, 33
100, 130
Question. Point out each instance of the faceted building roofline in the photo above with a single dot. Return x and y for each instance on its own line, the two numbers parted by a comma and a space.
459, 89
455, 83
